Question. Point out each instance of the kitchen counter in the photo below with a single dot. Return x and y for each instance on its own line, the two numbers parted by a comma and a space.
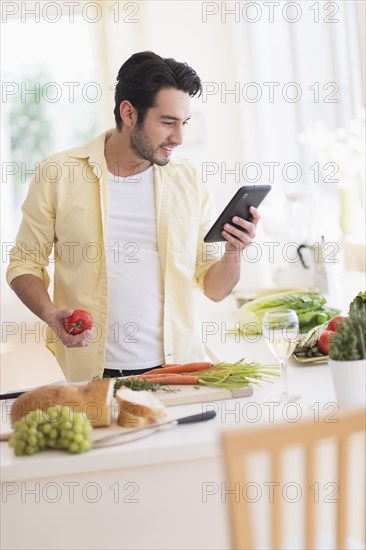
194, 441
185, 442
166, 491
139, 495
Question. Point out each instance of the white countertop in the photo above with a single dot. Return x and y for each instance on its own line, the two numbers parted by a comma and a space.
173, 473
188, 442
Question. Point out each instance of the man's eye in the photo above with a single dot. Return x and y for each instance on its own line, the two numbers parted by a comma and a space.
185, 123
168, 123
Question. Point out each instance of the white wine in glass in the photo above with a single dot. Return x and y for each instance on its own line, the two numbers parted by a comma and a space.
280, 329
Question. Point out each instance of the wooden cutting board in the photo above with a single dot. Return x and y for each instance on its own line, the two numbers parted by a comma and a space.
182, 395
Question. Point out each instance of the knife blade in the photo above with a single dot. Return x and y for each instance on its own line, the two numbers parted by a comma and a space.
138, 433
17, 393
11, 395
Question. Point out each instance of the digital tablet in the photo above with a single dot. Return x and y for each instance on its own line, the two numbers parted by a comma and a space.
246, 196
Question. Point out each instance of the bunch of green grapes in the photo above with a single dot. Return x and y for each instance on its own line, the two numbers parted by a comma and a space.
57, 427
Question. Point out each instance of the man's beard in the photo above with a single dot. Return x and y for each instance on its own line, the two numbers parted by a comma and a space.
143, 148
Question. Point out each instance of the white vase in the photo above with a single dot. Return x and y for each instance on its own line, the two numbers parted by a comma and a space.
349, 382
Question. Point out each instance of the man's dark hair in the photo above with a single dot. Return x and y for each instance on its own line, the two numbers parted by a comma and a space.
144, 74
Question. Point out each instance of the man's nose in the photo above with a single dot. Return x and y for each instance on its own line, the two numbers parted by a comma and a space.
177, 135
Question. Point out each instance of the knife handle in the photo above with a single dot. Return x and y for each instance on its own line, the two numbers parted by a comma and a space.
11, 395
201, 417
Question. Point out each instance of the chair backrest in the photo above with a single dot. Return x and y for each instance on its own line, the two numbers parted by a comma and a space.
239, 444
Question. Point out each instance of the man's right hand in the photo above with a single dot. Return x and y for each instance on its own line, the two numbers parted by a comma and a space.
32, 292
56, 320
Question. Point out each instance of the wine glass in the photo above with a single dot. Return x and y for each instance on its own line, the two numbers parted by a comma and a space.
280, 329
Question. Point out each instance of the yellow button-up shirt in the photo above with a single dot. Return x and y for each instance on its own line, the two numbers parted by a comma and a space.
66, 210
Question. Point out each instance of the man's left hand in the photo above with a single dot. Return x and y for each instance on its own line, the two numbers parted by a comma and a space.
238, 239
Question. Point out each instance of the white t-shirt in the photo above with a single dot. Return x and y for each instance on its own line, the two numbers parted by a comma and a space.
136, 297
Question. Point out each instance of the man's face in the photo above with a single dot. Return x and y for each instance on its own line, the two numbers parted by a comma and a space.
163, 127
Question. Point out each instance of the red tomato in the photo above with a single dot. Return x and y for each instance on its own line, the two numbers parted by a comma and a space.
79, 321
324, 341
334, 323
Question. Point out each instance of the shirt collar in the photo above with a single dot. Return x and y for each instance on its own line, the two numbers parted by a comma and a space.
94, 150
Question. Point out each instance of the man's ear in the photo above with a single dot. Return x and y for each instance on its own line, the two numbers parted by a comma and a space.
128, 113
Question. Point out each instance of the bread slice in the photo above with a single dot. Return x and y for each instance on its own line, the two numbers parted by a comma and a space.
130, 420
93, 399
138, 408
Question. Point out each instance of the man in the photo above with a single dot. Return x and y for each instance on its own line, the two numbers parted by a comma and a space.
127, 227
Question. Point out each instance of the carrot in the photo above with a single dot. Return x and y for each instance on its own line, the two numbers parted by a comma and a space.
171, 379
180, 369
221, 375
206, 364
148, 375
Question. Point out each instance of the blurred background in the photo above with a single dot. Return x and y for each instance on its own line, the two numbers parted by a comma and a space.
283, 103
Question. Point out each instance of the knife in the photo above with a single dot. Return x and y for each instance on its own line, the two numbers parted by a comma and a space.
17, 393
139, 433
11, 395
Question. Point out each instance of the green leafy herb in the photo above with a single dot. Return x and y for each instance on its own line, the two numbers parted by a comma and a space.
359, 302
138, 384
349, 342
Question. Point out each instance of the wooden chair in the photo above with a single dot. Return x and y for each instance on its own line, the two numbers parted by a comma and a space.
239, 444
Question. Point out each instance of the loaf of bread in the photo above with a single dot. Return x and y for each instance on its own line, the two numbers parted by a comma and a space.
92, 399
138, 408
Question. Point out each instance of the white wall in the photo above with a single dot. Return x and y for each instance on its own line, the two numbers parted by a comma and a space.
227, 51
230, 131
